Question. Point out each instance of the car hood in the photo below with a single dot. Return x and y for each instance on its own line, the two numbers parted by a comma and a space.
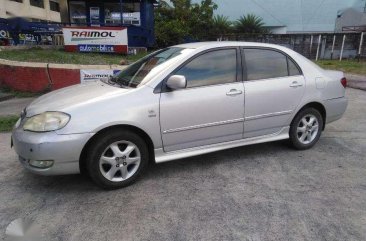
75, 95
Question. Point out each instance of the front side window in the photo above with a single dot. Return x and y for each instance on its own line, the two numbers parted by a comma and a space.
266, 64
215, 67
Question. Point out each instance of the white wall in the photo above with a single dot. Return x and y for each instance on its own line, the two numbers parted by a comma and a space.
14, 9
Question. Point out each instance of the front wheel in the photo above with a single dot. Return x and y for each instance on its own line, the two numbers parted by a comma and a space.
117, 158
306, 128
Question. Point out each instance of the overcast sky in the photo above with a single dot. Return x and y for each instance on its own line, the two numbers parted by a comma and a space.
296, 14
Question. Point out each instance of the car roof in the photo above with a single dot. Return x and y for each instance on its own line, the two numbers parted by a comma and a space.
218, 44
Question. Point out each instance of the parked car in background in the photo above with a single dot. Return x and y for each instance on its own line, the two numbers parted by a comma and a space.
178, 102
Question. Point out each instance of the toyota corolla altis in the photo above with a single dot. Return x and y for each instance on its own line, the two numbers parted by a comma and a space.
178, 102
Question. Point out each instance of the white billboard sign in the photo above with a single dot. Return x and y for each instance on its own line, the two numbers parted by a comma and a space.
96, 39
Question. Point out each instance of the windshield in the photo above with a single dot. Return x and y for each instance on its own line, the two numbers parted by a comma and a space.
134, 74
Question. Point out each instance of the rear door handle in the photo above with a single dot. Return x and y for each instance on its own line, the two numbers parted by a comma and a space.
234, 92
295, 84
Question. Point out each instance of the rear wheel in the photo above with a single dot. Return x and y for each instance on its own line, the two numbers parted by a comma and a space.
306, 129
117, 158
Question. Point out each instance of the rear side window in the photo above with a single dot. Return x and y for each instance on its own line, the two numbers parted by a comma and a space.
211, 68
266, 64
292, 68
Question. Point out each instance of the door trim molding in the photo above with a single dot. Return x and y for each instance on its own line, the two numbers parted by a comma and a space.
161, 156
218, 123
254, 117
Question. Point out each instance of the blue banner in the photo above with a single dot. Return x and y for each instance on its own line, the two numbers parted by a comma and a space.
96, 48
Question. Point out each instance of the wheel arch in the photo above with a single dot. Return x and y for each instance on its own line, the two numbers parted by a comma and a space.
138, 131
319, 107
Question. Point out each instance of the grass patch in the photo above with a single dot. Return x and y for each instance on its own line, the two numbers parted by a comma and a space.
347, 66
7, 122
59, 56
19, 94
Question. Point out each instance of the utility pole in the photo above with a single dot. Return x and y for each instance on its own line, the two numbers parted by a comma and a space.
121, 9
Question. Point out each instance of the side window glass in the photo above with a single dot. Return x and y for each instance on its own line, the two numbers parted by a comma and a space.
212, 68
292, 68
265, 64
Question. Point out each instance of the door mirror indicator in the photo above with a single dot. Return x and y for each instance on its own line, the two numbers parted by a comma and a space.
176, 82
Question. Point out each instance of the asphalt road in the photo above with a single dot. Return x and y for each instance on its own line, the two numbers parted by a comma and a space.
260, 192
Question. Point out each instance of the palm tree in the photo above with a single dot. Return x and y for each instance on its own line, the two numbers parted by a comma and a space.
221, 25
250, 23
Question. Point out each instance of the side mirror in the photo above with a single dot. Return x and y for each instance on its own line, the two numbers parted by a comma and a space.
176, 82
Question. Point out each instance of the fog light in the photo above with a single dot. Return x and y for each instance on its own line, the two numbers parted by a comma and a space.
41, 164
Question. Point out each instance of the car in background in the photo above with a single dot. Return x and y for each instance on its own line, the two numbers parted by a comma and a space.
178, 102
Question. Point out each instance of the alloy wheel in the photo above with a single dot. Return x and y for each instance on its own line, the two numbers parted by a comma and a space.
119, 161
307, 129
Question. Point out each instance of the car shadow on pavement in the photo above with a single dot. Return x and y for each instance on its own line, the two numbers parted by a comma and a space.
157, 172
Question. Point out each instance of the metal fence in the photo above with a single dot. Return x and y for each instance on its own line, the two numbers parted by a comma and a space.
314, 46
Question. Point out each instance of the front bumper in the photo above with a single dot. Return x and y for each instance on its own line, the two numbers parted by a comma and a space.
64, 150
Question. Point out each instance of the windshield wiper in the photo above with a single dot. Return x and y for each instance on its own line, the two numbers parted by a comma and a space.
123, 82
112, 80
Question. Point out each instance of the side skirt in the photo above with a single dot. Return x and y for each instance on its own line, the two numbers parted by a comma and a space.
161, 156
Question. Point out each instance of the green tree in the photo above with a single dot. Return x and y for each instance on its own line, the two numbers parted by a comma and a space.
183, 20
250, 23
221, 26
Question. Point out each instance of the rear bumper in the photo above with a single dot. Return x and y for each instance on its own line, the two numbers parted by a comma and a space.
335, 108
64, 150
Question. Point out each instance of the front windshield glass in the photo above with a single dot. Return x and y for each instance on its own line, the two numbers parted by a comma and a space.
134, 74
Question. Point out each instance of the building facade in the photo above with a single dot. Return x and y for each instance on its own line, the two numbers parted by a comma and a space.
351, 20
32, 10
136, 15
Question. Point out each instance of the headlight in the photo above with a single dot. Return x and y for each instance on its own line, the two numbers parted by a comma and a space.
17, 124
47, 121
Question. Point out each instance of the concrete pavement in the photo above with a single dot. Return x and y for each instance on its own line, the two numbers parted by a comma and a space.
254, 193
14, 106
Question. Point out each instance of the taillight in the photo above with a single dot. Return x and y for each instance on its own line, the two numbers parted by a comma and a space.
344, 82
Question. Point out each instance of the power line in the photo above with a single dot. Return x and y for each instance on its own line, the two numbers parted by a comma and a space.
315, 12
302, 16
267, 11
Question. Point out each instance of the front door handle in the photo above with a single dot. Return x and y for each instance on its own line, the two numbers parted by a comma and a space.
295, 84
234, 92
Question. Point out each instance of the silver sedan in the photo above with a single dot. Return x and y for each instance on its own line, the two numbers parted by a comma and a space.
178, 102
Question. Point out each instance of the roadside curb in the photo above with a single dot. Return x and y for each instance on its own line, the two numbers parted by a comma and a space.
356, 81
4, 97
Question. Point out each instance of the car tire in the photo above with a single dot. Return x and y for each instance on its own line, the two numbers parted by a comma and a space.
306, 128
117, 158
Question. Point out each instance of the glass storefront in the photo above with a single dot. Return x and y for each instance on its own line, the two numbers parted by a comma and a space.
77, 12
105, 13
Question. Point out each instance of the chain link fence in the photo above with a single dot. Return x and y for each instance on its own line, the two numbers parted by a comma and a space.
313, 46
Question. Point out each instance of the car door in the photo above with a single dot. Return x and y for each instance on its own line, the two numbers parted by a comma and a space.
211, 108
274, 86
